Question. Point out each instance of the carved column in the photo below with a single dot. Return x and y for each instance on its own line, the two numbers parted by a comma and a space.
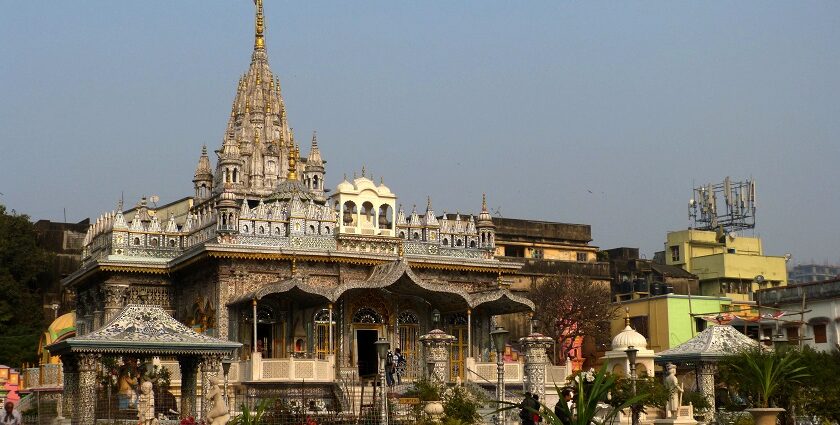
114, 300
436, 346
188, 367
84, 411
706, 378
69, 396
210, 366
96, 309
535, 346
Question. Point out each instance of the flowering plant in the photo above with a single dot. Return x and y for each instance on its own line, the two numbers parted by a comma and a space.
189, 420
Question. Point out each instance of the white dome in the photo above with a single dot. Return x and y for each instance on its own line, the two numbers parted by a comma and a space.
629, 338
344, 187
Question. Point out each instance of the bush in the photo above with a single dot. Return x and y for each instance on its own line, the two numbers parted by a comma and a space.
459, 404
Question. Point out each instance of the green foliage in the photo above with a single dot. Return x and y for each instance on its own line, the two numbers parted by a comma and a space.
762, 374
247, 417
819, 394
22, 263
623, 391
697, 399
425, 390
591, 389
460, 405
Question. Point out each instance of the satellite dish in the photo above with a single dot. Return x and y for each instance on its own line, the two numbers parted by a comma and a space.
788, 256
759, 279
154, 199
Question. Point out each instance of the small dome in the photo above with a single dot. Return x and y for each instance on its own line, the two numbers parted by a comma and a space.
629, 338
344, 186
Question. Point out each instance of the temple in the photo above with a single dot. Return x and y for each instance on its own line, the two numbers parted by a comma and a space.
305, 278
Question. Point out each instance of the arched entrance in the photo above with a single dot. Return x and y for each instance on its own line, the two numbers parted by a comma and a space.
367, 325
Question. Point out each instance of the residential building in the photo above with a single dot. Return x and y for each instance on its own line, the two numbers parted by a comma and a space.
632, 277
807, 273
818, 322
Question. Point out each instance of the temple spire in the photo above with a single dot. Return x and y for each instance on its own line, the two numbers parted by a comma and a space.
259, 27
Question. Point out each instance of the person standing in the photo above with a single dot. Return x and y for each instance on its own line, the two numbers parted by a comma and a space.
399, 365
563, 408
389, 368
10, 416
526, 415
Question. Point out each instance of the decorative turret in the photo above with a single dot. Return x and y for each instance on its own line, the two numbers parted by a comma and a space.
313, 174
257, 126
228, 211
203, 178
485, 227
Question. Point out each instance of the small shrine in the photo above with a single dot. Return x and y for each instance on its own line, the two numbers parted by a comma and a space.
139, 331
700, 355
617, 360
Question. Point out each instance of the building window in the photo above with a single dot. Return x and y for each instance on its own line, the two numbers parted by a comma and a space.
819, 334
581, 256
640, 325
515, 251
675, 253
793, 334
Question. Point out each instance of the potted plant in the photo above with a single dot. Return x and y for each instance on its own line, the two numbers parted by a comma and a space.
762, 374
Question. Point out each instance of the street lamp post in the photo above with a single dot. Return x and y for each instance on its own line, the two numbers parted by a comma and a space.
382, 346
499, 335
631, 357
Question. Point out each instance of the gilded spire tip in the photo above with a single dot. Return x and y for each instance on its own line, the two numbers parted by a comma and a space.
259, 39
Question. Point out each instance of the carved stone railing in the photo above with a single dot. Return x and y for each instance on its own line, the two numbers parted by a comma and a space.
483, 372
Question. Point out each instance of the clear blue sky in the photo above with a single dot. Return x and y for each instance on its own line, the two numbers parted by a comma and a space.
536, 103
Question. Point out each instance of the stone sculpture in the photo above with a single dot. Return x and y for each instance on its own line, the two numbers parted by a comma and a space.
146, 405
218, 415
675, 391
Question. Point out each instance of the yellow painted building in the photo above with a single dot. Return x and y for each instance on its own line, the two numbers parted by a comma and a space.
668, 320
728, 265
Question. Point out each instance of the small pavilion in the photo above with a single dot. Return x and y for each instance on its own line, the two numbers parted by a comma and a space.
139, 331
703, 352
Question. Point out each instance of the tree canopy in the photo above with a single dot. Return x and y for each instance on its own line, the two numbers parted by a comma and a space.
571, 306
22, 263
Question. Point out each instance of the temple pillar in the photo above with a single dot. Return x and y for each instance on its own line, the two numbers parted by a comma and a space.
84, 410
210, 367
535, 346
436, 347
188, 367
706, 380
114, 300
70, 372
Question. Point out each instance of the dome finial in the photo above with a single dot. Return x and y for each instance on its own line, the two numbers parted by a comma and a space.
259, 27
626, 317
483, 202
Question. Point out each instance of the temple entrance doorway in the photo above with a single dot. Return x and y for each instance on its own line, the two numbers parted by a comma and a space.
366, 357
265, 339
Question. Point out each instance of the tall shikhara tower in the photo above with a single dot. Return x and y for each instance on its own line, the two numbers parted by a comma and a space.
254, 154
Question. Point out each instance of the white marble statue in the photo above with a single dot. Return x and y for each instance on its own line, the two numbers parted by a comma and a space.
218, 415
146, 405
675, 392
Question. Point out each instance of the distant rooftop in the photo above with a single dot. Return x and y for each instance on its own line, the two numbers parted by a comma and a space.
515, 229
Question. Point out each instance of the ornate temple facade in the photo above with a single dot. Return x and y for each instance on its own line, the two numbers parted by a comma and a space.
305, 278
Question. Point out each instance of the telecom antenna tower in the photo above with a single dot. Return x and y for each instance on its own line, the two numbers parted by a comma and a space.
737, 212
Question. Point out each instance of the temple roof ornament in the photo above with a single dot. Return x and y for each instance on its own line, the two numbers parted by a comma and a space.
144, 329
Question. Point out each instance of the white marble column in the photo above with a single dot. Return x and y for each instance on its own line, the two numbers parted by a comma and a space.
436, 346
536, 359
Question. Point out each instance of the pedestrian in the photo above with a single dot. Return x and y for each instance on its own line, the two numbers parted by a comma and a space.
399, 364
525, 413
563, 408
10, 415
389, 368
535, 404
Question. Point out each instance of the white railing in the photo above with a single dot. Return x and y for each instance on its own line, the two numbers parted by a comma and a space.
486, 371
275, 370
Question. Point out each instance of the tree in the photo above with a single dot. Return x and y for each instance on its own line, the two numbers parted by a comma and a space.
570, 307
22, 262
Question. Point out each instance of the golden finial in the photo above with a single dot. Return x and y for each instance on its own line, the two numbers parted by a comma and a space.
363, 170
259, 79
401, 249
626, 317
257, 137
294, 266
483, 202
259, 40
